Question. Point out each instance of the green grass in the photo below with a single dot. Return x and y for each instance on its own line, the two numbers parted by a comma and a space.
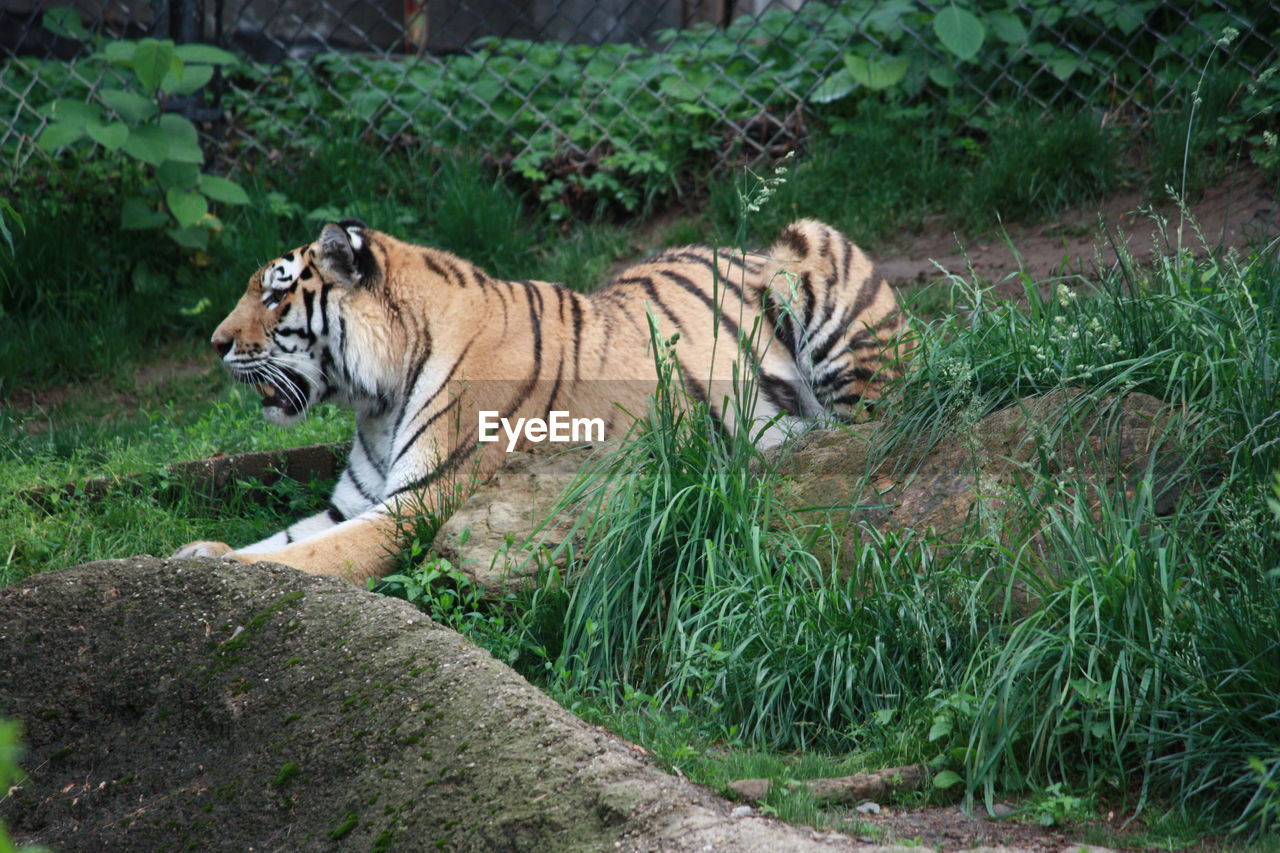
85, 438
882, 170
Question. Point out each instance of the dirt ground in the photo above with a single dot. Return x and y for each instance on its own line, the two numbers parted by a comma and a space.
949, 828
1240, 210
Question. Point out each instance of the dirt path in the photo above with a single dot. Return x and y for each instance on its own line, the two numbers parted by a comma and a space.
1238, 211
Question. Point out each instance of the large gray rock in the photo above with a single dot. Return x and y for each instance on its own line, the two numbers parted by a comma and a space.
188, 704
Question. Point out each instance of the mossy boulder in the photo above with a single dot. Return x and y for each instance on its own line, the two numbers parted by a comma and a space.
191, 704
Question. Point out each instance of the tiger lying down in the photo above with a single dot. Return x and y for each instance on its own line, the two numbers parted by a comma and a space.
424, 346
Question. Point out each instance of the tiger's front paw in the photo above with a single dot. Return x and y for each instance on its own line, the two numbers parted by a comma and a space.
207, 549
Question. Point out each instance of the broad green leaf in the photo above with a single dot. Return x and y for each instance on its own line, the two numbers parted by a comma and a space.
680, 89
879, 73
206, 54
179, 128
130, 106
109, 136
326, 213
1007, 27
946, 779
147, 143
72, 112
940, 729
223, 190
190, 237
959, 31
943, 76
175, 76
137, 215
173, 175
184, 140
1063, 65
188, 206
835, 87
59, 135
65, 22
1128, 17
118, 51
193, 77
152, 60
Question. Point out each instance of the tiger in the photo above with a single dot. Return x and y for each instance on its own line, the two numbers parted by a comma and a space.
417, 341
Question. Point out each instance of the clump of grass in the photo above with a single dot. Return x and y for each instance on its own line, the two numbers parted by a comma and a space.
696, 586
1147, 666
1186, 147
1032, 167
884, 170
147, 512
852, 176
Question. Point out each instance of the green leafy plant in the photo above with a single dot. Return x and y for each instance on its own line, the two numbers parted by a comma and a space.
1257, 119
1054, 806
453, 599
128, 117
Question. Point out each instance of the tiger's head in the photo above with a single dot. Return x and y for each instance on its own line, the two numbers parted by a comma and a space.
279, 336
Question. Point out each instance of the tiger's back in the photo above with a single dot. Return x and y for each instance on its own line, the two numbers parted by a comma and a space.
419, 343
818, 329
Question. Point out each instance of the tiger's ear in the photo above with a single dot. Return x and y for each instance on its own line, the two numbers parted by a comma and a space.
336, 255
344, 253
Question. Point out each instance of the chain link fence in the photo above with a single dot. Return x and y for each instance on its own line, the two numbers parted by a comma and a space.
558, 87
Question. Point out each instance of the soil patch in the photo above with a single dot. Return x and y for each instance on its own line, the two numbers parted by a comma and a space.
1238, 211
949, 828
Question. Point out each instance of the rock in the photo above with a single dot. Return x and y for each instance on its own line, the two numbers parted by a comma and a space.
1000, 810
209, 705
867, 808
488, 537
1040, 448
751, 790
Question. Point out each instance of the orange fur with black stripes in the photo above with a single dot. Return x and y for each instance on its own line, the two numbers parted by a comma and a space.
418, 341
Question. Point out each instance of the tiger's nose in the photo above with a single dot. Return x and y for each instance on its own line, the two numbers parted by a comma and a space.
222, 346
